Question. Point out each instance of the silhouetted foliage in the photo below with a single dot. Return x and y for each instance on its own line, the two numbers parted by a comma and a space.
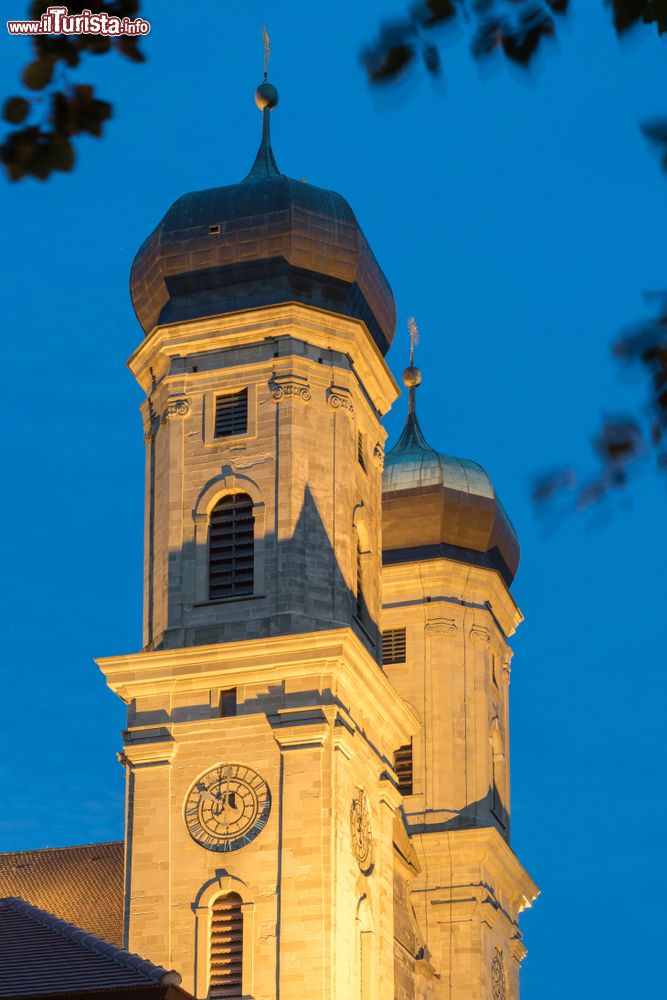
518, 30
515, 29
656, 132
63, 109
625, 445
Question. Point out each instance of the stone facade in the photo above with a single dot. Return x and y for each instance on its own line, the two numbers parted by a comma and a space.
315, 384
347, 888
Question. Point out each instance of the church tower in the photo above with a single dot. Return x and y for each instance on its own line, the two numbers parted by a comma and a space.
450, 555
261, 804
317, 741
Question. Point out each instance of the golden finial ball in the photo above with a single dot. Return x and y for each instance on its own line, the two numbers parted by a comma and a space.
412, 377
266, 96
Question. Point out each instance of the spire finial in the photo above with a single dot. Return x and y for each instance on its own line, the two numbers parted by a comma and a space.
266, 95
412, 376
414, 337
266, 98
267, 49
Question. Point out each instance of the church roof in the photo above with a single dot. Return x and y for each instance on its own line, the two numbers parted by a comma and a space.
82, 885
437, 505
267, 240
41, 955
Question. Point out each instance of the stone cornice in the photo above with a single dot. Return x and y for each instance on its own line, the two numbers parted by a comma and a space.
475, 849
314, 326
336, 653
138, 754
451, 581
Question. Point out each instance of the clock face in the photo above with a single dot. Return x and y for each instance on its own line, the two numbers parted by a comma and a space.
227, 807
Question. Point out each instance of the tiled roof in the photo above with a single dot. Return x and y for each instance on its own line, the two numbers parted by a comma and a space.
82, 885
42, 955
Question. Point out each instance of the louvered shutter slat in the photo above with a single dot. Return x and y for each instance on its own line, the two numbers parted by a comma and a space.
231, 414
226, 963
231, 547
393, 646
403, 769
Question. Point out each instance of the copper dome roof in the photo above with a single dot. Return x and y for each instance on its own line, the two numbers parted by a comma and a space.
434, 504
267, 240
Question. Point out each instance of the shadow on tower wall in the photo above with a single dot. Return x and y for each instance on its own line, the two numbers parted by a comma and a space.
304, 590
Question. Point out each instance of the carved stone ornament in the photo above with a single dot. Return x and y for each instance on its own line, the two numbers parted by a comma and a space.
479, 634
249, 461
507, 669
441, 626
339, 398
150, 430
360, 829
378, 456
175, 408
498, 976
284, 386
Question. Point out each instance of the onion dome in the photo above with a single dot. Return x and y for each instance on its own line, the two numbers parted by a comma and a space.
265, 241
435, 505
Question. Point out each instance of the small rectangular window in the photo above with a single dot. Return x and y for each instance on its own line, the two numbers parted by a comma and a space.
228, 703
214, 230
231, 414
403, 768
393, 645
360, 450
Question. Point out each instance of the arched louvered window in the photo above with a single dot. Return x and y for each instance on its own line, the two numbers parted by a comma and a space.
231, 547
226, 969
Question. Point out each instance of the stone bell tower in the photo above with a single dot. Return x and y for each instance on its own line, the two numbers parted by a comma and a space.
261, 804
450, 555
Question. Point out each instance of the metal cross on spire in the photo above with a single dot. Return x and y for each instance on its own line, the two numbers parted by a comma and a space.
414, 338
267, 49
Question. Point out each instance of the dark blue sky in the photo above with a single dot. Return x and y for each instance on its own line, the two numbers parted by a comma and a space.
520, 220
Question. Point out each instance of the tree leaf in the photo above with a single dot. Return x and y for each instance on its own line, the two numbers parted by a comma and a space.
38, 74
16, 110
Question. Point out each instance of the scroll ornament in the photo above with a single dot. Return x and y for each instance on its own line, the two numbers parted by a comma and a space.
290, 386
340, 398
441, 626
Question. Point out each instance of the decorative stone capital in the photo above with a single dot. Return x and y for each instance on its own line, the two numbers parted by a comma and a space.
441, 626
175, 408
389, 794
302, 729
284, 386
340, 398
378, 457
480, 635
142, 754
